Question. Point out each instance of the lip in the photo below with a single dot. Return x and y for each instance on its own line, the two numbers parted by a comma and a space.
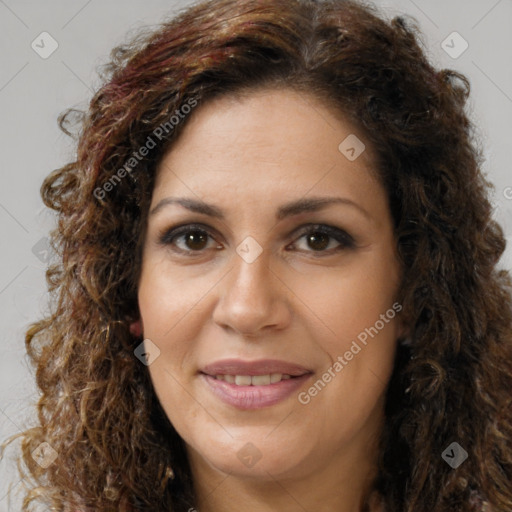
254, 397
259, 367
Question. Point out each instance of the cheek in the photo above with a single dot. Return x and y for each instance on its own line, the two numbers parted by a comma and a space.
166, 310
360, 345
173, 306
347, 303
169, 301
359, 328
166, 313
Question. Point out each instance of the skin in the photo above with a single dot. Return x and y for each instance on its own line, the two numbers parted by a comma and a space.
248, 156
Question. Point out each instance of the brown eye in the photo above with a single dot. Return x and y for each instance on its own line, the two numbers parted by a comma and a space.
325, 239
318, 241
186, 239
195, 240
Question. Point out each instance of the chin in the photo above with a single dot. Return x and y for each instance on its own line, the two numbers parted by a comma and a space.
255, 455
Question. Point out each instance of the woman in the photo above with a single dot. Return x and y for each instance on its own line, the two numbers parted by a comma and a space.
278, 286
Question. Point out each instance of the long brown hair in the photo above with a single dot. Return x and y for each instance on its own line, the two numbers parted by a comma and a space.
452, 382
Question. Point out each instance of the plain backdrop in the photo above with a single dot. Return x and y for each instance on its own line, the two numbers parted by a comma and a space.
34, 90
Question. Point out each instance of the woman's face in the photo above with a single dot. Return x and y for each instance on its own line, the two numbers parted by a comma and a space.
273, 306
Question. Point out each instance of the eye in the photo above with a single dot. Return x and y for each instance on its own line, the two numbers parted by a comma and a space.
194, 238
187, 239
325, 239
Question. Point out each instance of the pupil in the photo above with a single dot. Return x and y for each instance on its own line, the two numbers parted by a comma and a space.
195, 237
321, 238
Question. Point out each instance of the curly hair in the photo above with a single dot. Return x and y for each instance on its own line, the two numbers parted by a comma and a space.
451, 381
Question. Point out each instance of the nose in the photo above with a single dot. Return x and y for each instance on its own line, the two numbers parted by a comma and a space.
253, 298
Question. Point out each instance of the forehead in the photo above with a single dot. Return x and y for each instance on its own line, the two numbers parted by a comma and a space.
269, 142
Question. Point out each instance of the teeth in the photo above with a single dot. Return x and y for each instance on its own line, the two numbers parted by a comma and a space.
243, 380
255, 380
260, 380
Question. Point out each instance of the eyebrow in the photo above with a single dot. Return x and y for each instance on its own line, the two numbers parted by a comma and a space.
310, 204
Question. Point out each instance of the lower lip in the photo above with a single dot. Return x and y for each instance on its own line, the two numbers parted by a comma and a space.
254, 397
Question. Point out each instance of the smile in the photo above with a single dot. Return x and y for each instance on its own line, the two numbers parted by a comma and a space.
253, 380
248, 394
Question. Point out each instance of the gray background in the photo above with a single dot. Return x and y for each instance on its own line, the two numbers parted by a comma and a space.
33, 91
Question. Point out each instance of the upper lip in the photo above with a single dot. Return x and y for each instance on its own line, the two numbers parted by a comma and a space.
258, 367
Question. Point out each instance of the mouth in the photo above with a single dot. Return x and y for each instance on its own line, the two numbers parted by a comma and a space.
258, 368
253, 380
253, 384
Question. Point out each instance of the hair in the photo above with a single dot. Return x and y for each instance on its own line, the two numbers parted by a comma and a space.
452, 379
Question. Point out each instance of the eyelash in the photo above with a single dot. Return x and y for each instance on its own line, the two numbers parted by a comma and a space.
168, 237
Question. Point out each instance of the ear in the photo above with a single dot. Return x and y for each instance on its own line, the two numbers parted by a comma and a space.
404, 332
136, 328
